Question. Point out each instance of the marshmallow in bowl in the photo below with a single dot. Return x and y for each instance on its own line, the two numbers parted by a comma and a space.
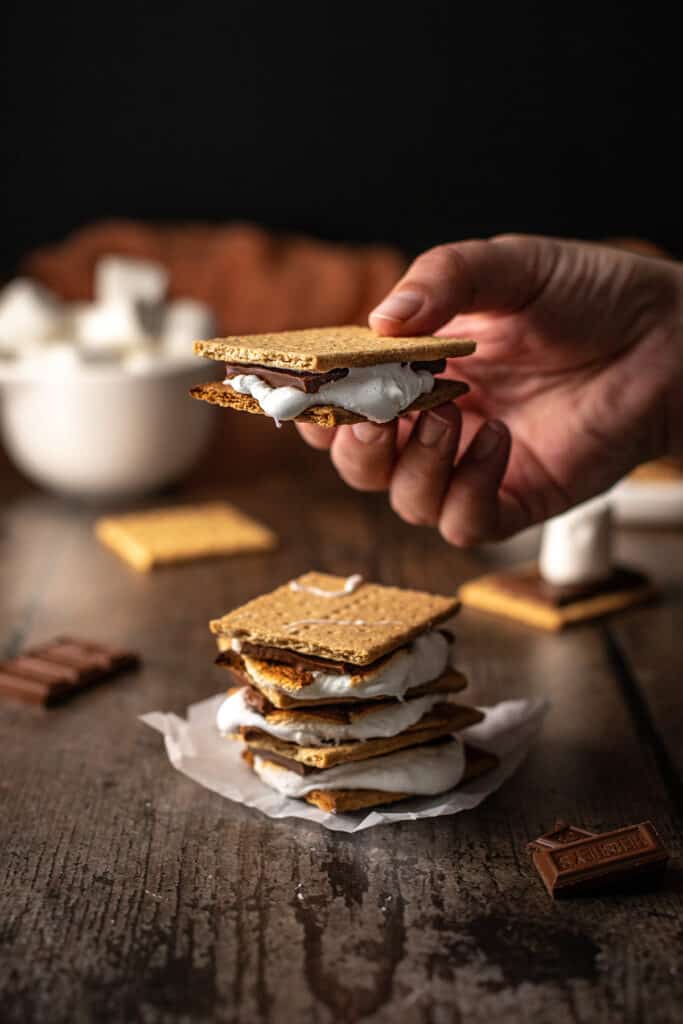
29, 315
128, 324
119, 279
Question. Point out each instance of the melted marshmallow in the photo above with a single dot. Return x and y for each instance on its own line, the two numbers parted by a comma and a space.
388, 720
423, 771
576, 547
380, 393
351, 583
424, 660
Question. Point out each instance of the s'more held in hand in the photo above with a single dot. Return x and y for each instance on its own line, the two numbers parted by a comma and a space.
331, 375
343, 692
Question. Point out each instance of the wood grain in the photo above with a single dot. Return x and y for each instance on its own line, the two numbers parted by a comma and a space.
128, 893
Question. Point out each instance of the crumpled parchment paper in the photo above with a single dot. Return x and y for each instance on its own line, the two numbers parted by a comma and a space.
196, 748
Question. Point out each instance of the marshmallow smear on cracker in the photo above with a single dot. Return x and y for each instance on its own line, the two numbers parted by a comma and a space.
331, 375
343, 692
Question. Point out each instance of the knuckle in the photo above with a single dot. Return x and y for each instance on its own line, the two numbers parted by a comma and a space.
409, 511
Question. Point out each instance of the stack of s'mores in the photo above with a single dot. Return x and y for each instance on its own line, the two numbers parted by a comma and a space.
344, 692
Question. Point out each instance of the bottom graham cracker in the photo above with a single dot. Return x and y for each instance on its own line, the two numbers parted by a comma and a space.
491, 594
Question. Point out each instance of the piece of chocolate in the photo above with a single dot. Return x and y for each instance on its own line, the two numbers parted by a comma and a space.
303, 380
560, 835
54, 670
625, 856
530, 583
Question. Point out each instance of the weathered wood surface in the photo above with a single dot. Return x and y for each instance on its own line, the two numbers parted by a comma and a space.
128, 893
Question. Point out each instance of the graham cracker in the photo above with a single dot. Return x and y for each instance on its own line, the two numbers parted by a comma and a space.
329, 348
486, 594
341, 801
665, 470
330, 416
357, 628
440, 721
181, 533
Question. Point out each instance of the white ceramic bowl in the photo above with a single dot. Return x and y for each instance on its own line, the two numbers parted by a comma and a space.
102, 432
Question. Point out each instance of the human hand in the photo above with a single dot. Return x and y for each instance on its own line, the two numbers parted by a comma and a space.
577, 378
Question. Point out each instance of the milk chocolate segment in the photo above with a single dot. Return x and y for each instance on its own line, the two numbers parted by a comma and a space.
45, 674
303, 380
531, 584
560, 835
626, 855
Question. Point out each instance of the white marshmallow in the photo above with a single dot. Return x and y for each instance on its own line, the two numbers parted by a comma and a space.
576, 547
29, 314
185, 321
120, 279
107, 329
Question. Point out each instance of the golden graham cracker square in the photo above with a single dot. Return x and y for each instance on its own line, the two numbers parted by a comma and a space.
330, 348
182, 533
489, 594
440, 721
217, 393
357, 628
341, 801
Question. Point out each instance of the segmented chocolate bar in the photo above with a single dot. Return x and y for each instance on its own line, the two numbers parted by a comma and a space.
54, 670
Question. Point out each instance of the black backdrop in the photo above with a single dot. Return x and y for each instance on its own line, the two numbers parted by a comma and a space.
396, 122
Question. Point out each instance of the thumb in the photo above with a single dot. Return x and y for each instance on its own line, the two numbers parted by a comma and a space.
499, 275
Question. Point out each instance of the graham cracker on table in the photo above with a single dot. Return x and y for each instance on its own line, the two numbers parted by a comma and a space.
340, 801
357, 628
452, 681
487, 595
329, 348
440, 721
181, 533
329, 416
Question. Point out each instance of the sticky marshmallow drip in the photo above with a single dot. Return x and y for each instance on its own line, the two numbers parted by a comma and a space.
352, 583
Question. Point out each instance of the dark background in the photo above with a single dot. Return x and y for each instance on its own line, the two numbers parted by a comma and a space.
410, 124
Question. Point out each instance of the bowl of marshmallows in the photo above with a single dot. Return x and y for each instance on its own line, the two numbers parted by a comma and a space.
93, 395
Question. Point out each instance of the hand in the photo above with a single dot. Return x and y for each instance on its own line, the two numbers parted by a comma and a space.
577, 378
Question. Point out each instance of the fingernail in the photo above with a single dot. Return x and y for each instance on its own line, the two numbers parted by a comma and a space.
399, 306
487, 440
430, 430
367, 432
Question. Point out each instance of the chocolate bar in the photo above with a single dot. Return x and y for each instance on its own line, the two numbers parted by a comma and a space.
626, 855
54, 670
560, 835
530, 583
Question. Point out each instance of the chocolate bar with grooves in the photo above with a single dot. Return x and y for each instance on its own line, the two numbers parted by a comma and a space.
626, 855
56, 669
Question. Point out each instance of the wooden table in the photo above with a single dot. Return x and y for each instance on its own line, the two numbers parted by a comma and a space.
128, 893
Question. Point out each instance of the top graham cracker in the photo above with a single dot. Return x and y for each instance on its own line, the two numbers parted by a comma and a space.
329, 348
357, 628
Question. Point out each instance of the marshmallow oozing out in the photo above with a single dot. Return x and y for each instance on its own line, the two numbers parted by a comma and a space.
379, 393
576, 547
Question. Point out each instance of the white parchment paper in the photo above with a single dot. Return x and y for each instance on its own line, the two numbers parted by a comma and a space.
196, 748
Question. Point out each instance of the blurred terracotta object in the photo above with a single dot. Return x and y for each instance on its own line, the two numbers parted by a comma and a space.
669, 468
641, 246
253, 280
